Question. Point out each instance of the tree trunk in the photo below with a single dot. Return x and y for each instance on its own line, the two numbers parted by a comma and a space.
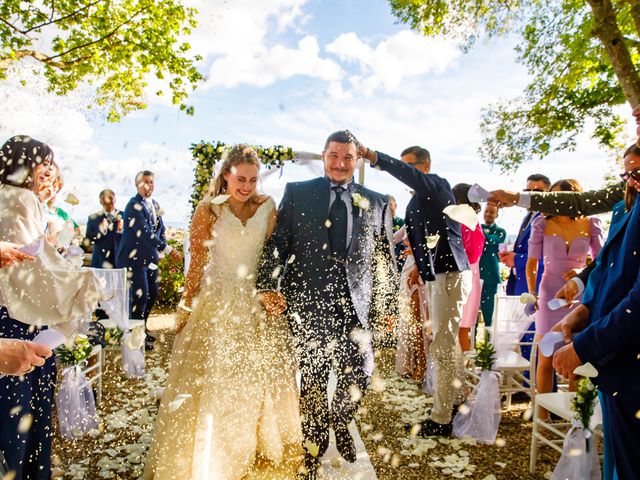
611, 37
635, 13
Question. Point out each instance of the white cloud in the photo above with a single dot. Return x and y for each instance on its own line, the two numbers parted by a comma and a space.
268, 66
402, 55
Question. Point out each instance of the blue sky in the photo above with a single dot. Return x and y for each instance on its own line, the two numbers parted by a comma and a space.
291, 72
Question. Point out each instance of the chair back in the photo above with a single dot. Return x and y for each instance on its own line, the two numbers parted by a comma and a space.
510, 324
116, 303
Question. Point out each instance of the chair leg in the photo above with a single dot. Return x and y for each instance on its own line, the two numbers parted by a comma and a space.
533, 456
509, 381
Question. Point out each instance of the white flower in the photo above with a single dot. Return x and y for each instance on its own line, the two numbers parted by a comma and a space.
432, 240
361, 202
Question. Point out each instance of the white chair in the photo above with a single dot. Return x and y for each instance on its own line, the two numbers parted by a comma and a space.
93, 371
552, 434
509, 325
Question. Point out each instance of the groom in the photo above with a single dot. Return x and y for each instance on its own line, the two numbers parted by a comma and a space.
330, 253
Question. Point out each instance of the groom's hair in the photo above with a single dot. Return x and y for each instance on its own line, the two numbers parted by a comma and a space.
342, 136
422, 154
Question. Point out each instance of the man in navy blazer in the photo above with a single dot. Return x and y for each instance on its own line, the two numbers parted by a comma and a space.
104, 230
605, 329
143, 238
442, 263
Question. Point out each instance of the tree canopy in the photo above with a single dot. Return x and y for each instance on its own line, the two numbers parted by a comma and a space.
580, 53
115, 45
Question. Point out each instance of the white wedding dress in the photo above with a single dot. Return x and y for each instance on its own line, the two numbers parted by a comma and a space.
230, 407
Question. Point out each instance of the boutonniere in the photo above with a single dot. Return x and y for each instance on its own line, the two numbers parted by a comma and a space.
361, 202
432, 241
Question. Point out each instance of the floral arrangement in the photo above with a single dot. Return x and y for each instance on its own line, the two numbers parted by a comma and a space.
170, 277
112, 336
75, 352
584, 401
485, 354
207, 154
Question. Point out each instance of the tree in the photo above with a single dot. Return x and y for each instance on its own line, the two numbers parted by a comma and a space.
115, 45
580, 53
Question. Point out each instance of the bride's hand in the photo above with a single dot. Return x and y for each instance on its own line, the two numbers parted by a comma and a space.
273, 303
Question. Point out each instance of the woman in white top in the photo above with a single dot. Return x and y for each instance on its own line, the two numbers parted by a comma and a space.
34, 294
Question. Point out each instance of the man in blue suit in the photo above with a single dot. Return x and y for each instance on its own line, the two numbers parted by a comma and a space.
605, 329
143, 239
104, 230
517, 259
442, 263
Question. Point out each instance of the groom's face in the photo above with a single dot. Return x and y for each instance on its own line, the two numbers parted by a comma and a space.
340, 162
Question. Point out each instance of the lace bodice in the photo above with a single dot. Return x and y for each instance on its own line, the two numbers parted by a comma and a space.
235, 248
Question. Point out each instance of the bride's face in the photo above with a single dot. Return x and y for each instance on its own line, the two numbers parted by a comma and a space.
242, 181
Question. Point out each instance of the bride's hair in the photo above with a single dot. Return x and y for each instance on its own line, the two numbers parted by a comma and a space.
238, 155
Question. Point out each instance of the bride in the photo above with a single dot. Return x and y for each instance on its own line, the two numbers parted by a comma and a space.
230, 407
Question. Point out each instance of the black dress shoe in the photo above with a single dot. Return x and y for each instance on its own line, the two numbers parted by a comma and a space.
344, 443
309, 468
429, 428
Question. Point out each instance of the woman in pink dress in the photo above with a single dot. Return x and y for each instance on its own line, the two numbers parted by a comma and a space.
473, 240
563, 243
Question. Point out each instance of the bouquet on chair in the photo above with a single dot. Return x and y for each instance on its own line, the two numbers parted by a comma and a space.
479, 417
579, 458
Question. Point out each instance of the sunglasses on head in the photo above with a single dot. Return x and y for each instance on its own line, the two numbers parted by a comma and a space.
635, 174
533, 190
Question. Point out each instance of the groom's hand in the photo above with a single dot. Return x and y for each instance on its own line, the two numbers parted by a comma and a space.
273, 302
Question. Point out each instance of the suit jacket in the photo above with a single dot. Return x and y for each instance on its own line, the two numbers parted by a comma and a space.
489, 262
610, 341
424, 218
517, 282
576, 204
141, 238
297, 256
104, 245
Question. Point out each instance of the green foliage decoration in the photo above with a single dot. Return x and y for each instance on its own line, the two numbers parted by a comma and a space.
581, 56
584, 401
116, 46
207, 154
171, 277
74, 353
485, 354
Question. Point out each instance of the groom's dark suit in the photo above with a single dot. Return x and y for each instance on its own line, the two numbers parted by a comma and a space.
330, 298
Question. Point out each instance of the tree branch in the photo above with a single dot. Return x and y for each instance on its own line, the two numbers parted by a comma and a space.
103, 38
41, 57
60, 19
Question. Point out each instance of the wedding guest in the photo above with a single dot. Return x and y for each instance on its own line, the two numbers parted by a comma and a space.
563, 244
104, 231
412, 336
143, 239
516, 260
58, 219
398, 223
18, 356
489, 263
604, 330
436, 241
473, 241
45, 291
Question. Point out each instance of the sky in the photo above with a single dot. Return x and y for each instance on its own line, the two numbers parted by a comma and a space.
291, 72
